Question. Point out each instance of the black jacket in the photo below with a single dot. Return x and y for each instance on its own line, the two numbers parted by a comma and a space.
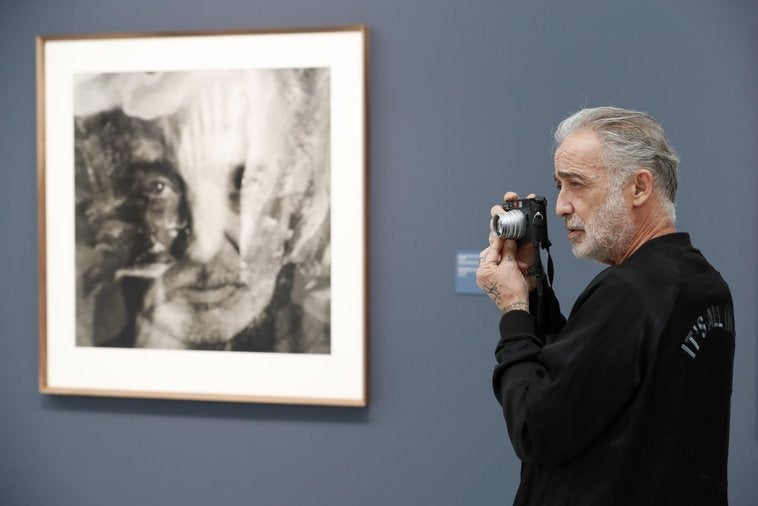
626, 402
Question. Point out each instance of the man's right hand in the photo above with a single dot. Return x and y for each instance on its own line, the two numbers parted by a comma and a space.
504, 268
526, 254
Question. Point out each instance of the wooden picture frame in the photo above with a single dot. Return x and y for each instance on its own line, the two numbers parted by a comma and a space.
203, 215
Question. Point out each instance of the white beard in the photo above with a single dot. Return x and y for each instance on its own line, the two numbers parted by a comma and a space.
607, 234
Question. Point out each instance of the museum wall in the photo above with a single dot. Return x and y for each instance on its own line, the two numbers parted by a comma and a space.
463, 97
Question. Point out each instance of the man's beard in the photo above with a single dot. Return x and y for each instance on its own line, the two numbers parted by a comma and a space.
607, 234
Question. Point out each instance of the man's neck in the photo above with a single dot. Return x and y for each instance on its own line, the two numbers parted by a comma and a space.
648, 229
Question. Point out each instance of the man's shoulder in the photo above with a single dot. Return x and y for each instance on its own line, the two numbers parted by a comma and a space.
661, 260
612, 287
668, 247
651, 275
655, 275
669, 259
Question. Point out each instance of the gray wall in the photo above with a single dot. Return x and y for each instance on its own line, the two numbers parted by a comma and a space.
463, 97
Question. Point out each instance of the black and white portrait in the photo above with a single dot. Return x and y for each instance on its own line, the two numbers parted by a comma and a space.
202, 208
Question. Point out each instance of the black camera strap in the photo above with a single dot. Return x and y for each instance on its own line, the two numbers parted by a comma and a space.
540, 270
550, 268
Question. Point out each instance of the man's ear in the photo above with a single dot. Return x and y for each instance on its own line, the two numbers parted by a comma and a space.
643, 186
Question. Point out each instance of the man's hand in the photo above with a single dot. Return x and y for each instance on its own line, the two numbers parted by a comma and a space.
504, 267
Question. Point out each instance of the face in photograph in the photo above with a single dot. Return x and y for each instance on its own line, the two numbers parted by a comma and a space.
225, 195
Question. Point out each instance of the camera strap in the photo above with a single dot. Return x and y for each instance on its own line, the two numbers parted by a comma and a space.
540, 271
550, 268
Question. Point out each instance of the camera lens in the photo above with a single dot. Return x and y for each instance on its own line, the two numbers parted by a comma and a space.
509, 225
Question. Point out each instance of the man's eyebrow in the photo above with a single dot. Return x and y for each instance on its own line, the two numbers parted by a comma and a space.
570, 174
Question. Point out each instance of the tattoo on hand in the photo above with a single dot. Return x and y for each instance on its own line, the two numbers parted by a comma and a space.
492, 290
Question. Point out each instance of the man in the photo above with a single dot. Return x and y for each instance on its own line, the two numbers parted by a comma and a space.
627, 401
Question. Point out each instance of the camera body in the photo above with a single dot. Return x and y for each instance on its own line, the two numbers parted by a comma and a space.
523, 220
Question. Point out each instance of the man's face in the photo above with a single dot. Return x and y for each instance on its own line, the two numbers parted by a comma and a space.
231, 151
594, 210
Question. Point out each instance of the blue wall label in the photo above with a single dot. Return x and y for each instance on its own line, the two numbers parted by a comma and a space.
466, 263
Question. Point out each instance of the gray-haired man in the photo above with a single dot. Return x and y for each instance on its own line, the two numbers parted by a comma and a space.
627, 401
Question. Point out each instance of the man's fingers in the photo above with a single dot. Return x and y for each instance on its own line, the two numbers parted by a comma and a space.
490, 255
510, 196
514, 196
508, 250
495, 211
500, 249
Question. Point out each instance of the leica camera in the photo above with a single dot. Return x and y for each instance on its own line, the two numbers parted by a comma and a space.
523, 220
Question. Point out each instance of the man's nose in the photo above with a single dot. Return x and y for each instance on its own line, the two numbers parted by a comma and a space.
210, 216
563, 206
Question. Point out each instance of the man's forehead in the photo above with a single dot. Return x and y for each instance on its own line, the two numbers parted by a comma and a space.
580, 155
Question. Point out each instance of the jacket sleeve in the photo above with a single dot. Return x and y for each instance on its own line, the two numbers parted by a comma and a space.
558, 397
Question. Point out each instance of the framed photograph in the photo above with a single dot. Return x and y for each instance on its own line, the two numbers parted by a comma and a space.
203, 215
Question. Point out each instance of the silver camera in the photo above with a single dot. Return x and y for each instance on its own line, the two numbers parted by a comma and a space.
523, 219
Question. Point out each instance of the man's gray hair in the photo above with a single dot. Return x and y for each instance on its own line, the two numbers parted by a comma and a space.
631, 140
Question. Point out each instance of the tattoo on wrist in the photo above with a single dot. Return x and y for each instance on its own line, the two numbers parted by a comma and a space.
516, 306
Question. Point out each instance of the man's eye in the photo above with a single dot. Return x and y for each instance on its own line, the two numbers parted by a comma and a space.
156, 187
